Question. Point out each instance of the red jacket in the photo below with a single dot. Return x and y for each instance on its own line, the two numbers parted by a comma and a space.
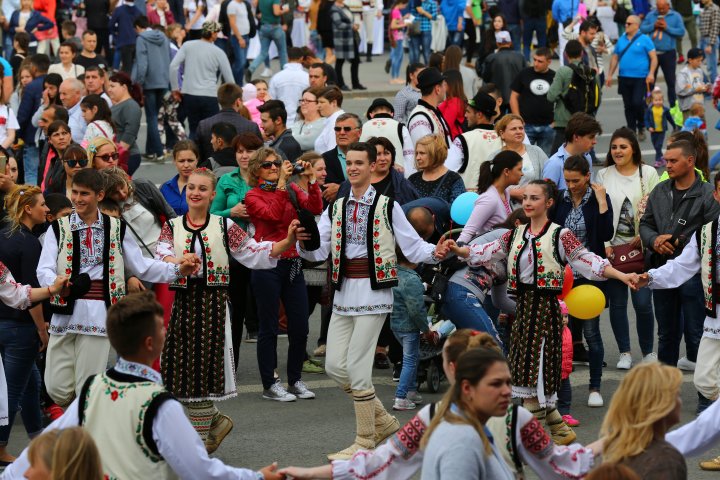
154, 16
567, 353
453, 110
272, 212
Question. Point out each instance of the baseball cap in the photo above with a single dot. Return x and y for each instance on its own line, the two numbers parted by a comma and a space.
211, 27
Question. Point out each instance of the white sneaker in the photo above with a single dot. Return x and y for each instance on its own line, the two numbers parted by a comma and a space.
278, 393
266, 73
685, 364
300, 390
625, 361
595, 400
650, 357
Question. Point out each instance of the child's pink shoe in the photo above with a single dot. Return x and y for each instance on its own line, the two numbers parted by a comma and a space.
570, 421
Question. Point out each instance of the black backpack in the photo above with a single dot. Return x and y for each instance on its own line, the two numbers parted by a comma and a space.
225, 21
583, 93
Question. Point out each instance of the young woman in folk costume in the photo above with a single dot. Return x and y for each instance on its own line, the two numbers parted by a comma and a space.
537, 255
200, 315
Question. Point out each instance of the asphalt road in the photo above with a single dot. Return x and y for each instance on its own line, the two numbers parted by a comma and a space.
302, 433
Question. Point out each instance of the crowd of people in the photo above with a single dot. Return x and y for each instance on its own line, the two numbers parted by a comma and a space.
286, 203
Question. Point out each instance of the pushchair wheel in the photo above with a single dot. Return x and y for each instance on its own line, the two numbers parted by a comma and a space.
433, 378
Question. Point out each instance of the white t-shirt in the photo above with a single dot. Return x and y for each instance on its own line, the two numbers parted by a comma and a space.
191, 8
7, 121
239, 9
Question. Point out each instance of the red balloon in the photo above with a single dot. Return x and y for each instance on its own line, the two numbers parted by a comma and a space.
567, 282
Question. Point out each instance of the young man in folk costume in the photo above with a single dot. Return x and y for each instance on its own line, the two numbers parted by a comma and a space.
360, 233
140, 429
93, 250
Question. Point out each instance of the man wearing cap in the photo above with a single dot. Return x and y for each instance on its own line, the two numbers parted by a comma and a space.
426, 119
382, 124
471, 149
691, 87
665, 27
503, 66
203, 62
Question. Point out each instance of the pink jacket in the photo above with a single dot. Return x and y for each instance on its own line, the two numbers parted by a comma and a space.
252, 106
567, 353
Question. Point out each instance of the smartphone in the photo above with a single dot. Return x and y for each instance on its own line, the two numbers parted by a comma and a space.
3, 163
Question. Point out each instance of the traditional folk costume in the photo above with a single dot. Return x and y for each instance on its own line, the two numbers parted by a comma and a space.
14, 295
428, 120
535, 270
140, 430
78, 344
197, 360
360, 235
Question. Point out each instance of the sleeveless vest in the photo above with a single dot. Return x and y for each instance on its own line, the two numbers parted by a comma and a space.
437, 122
549, 269
388, 128
477, 145
707, 249
382, 262
68, 261
213, 238
118, 410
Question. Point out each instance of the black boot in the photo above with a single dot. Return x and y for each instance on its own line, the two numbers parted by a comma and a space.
703, 403
369, 52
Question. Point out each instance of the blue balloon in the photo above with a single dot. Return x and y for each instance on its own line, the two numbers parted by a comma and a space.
462, 207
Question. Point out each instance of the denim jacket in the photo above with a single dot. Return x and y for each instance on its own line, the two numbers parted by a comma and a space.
409, 313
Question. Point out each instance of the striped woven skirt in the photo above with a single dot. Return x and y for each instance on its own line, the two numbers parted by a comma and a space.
197, 361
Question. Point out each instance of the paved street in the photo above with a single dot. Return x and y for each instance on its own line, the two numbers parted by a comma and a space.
302, 433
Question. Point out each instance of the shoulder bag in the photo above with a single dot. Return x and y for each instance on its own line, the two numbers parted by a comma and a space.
628, 258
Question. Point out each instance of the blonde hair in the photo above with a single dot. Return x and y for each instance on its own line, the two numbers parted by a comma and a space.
204, 172
95, 145
69, 454
437, 150
114, 178
503, 123
260, 156
646, 395
17, 199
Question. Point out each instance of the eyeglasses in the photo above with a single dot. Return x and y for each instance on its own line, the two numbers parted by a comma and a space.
269, 165
74, 163
345, 129
305, 100
106, 158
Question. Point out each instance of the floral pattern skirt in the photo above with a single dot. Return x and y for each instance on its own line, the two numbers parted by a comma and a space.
197, 361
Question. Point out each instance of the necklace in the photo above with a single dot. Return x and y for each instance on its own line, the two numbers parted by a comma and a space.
193, 225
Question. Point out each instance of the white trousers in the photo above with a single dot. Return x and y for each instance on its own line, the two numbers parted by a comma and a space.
71, 359
707, 368
351, 342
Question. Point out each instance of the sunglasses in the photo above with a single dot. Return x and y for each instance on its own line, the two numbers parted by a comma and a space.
345, 129
74, 163
269, 165
106, 158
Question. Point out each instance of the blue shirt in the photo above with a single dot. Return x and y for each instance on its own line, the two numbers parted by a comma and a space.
7, 69
554, 167
664, 40
635, 62
564, 10
430, 6
175, 198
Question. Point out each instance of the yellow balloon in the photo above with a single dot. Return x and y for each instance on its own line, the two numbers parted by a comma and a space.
585, 302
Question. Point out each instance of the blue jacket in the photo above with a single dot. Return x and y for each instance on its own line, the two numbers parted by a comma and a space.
31, 100
666, 119
599, 226
36, 20
409, 313
640, 7
404, 190
664, 40
152, 60
564, 10
121, 25
452, 10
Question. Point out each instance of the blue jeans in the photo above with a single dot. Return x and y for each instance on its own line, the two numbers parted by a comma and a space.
153, 100
270, 33
668, 62
539, 27
679, 311
240, 54
542, 136
277, 287
199, 108
423, 40
515, 34
564, 394
411, 353
711, 57
19, 347
455, 38
617, 295
657, 139
316, 41
591, 332
463, 309
396, 58
31, 156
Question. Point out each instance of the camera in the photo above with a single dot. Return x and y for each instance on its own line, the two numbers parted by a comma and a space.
298, 168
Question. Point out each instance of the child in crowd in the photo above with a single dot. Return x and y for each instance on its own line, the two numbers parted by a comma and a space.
565, 391
97, 115
24, 77
691, 85
696, 119
21, 45
407, 320
251, 102
69, 453
69, 30
262, 90
657, 121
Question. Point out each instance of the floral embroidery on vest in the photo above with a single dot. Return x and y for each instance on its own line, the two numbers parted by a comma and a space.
549, 269
214, 249
708, 249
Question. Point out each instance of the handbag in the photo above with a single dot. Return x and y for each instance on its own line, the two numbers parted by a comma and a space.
628, 258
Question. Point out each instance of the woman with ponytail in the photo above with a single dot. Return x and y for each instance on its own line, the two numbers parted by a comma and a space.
400, 458
535, 256
493, 205
22, 333
126, 113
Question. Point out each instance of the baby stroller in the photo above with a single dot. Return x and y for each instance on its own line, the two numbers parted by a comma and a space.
430, 369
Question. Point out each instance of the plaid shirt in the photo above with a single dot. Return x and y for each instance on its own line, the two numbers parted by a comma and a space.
710, 23
575, 220
431, 7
